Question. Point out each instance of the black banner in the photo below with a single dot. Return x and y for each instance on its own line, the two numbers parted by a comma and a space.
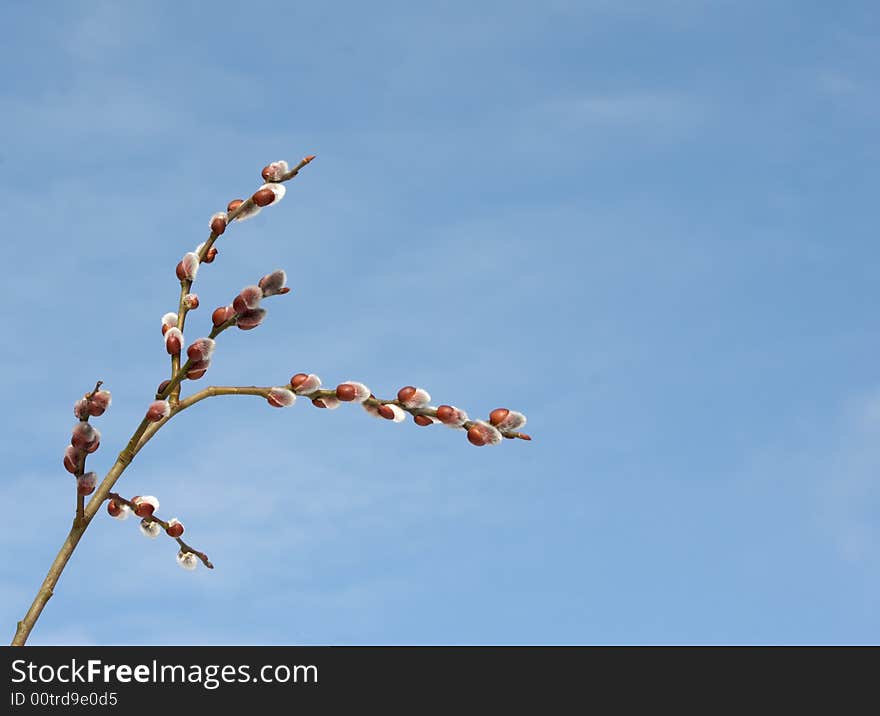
414, 679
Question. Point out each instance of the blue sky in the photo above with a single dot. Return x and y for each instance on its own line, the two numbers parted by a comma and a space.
646, 225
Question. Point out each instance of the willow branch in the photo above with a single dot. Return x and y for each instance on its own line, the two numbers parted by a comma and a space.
184, 547
428, 411
142, 434
81, 463
47, 588
186, 284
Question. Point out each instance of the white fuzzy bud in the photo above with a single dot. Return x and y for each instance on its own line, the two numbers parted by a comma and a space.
458, 419
150, 528
309, 385
279, 190
189, 266
419, 399
274, 171
362, 392
513, 421
491, 432
330, 402
281, 397
249, 213
187, 560
124, 512
148, 499
399, 413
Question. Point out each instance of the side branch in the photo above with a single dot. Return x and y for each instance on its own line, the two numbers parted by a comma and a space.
205, 253
167, 526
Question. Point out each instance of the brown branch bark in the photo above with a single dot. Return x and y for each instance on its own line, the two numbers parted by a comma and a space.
184, 547
147, 429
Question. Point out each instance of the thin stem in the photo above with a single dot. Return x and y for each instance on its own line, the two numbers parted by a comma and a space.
81, 463
142, 435
189, 401
430, 412
184, 547
181, 318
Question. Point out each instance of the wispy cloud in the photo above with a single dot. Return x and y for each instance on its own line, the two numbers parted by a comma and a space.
848, 491
626, 110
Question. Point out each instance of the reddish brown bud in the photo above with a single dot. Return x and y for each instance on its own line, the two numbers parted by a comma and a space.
445, 413
197, 369
477, 435
85, 484
222, 314
406, 393
175, 529
162, 386
173, 341
498, 415
83, 434
298, 380
281, 397
386, 412
309, 158
218, 225
318, 403
263, 197
248, 299
523, 436
187, 268
422, 420
274, 283
81, 409
158, 409
233, 205
114, 509
71, 459
211, 255
94, 444
268, 173
200, 349
346, 392
99, 402
143, 509
251, 319
191, 301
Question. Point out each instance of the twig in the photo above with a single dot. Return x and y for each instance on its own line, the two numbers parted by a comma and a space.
186, 284
81, 463
184, 547
483, 433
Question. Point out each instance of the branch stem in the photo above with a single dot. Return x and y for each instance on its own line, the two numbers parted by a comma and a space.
142, 435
